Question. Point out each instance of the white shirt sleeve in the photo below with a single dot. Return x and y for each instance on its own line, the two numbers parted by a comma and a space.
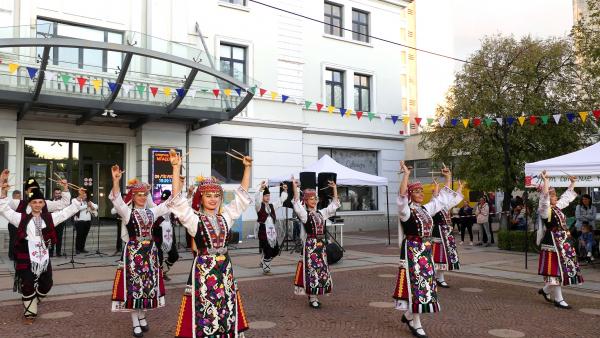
6, 210
64, 201
120, 206
544, 206
258, 200
13, 203
437, 203
279, 204
160, 210
450, 197
331, 208
180, 207
300, 210
403, 208
235, 208
62, 215
566, 198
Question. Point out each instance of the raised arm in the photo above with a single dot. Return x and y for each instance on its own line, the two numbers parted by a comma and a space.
299, 209
259, 196
402, 200
282, 198
12, 216
62, 215
569, 195
180, 207
335, 203
544, 203
236, 208
65, 199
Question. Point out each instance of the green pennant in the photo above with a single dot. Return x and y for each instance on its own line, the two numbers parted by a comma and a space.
371, 116
140, 89
204, 90
429, 120
488, 121
252, 90
307, 104
66, 78
544, 119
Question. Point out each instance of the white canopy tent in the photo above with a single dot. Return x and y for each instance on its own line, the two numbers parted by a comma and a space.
345, 176
584, 163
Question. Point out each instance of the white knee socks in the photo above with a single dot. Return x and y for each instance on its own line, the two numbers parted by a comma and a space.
558, 297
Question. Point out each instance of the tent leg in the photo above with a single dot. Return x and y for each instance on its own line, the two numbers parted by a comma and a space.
387, 206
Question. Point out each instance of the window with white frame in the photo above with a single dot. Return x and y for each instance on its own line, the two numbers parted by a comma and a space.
334, 87
362, 92
333, 19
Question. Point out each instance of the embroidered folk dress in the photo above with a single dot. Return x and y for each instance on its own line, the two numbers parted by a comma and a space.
415, 287
445, 255
312, 272
138, 282
212, 304
267, 233
558, 260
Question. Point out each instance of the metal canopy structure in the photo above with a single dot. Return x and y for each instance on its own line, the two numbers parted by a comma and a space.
137, 107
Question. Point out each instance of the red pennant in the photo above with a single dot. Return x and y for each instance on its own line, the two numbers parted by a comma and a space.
596, 114
81, 81
532, 120
476, 121
154, 90
359, 114
262, 91
418, 120
319, 107
216, 92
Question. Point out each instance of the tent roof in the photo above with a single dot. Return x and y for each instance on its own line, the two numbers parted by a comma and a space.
345, 175
582, 162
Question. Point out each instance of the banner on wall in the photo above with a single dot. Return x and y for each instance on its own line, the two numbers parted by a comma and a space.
160, 172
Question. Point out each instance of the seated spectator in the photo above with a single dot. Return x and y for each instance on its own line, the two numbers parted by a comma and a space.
586, 242
518, 218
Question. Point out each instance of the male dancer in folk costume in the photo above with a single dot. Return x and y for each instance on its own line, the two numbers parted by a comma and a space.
313, 277
415, 290
558, 260
138, 284
164, 236
267, 232
212, 304
23, 206
445, 255
35, 231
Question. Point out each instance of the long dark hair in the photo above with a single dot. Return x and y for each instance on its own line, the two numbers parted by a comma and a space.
581, 200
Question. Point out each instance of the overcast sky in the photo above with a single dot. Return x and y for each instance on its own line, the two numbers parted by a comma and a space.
455, 28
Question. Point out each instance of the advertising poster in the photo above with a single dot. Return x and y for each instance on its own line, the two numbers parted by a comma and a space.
160, 174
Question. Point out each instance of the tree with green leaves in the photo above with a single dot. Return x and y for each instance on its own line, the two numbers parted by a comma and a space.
505, 79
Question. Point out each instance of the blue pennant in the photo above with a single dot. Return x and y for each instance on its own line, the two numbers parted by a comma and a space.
510, 120
570, 117
394, 118
284, 98
112, 86
32, 71
239, 91
454, 122
180, 92
343, 111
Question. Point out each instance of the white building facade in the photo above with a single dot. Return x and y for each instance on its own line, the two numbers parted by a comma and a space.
281, 52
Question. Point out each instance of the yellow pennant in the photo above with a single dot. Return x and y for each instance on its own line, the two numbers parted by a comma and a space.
406, 120
465, 122
12, 67
227, 92
330, 109
273, 95
521, 120
348, 112
167, 91
97, 83
583, 115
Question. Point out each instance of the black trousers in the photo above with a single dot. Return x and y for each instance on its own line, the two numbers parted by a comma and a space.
83, 228
12, 233
466, 227
31, 285
59, 237
119, 246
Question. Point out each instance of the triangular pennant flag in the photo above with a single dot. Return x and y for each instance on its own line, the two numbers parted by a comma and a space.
510, 120
154, 90
521, 120
65, 79
140, 89
319, 107
429, 121
238, 91
307, 104
343, 111
348, 112
330, 109
216, 92
596, 114
394, 118
406, 120
32, 71
81, 81
252, 90
167, 91
126, 88
370, 115
476, 121
556, 118
583, 115
382, 116
50, 76
191, 93
570, 117
97, 83
273, 95
227, 92
532, 120
359, 114
454, 122
499, 120
284, 98
544, 119
417, 121
262, 92
112, 86
488, 121
465, 122
12, 67
180, 92
442, 121
204, 90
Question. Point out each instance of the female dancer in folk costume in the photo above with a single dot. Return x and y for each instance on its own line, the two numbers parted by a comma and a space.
35, 231
164, 237
138, 284
312, 273
267, 232
558, 260
416, 288
212, 304
445, 255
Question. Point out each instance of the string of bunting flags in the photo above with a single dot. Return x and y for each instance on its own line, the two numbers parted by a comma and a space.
571, 117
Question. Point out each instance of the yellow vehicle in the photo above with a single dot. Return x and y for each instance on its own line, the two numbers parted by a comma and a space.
428, 191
